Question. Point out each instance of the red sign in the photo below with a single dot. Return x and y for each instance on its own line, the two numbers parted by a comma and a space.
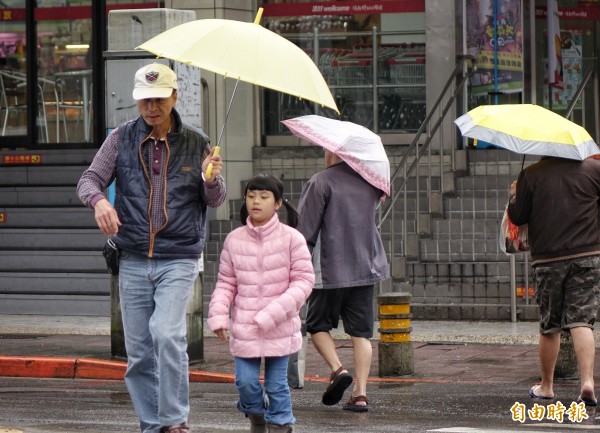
65, 12
573, 13
21, 159
12, 14
2, 217
342, 8
521, 291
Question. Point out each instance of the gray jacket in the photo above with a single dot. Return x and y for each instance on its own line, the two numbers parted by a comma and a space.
340, 205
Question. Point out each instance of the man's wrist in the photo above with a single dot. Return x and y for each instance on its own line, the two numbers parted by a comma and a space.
95, 199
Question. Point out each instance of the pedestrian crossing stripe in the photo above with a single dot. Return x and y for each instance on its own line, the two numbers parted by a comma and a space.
548, 428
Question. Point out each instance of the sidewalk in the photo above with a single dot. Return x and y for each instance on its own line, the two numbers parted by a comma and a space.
444, 351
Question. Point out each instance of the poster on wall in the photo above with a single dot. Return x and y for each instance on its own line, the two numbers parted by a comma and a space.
507, 75
571, 49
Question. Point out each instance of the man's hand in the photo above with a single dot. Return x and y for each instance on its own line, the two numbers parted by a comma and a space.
106, 217
217, 165
513, 192
222, 334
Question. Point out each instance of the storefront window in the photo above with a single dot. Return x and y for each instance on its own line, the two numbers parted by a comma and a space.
377, 77
13, 78
64, 31
579, 39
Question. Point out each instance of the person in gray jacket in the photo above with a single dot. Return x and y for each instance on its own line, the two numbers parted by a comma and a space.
338, 206
558, 198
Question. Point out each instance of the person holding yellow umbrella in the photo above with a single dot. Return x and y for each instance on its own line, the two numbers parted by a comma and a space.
557, 197
158, 223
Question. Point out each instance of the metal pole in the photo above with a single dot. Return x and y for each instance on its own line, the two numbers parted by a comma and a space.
513, 290
526, 279
374, 80
316, 56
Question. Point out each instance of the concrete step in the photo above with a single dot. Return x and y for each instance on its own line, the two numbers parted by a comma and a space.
55, 305
474, 312
51, 239
432, 250
218, 229
47, 217
52, 261
51, 283
498, 183
465, 229
465, 272
41, 175
34, 196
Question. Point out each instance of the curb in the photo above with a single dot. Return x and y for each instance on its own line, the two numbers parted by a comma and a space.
100, 369
84, 368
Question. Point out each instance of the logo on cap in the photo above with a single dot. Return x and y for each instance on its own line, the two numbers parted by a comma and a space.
151, 77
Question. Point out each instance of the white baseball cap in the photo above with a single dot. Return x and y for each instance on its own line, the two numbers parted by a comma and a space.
154, 81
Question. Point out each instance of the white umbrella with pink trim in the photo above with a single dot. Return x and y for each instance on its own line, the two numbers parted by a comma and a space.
359, 147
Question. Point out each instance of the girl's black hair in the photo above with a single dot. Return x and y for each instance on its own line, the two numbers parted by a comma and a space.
267, 182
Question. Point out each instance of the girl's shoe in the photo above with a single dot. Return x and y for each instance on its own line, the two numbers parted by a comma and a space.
257, 423
287, 428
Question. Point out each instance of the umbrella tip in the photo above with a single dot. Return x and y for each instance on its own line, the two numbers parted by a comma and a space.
258, 16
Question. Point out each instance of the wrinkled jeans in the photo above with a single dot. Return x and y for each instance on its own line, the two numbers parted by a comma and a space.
252, 396
154, 297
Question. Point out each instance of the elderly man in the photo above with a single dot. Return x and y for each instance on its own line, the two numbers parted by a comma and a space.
158, 224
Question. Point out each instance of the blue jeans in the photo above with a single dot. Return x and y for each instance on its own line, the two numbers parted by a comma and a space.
252, 395
154, 297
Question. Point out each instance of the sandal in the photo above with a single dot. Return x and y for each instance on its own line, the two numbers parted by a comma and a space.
339, 381
353, 407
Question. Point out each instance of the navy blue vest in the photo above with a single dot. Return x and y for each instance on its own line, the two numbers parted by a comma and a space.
185, 229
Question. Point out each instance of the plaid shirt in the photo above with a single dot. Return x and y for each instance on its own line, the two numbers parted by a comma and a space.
102, 172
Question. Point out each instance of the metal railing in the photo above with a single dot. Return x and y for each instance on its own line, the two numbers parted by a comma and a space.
409, 164
366, 79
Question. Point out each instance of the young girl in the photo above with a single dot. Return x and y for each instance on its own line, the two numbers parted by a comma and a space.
265, 276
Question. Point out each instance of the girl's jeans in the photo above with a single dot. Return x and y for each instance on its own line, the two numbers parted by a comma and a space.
278, 409
154, 296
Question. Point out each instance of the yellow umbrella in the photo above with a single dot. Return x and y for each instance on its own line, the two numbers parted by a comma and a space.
528, 129
246, 52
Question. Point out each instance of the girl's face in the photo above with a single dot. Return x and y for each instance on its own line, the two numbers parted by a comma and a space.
261, 206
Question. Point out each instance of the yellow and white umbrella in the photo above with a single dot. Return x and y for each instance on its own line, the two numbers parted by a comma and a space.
528, 129
247, 52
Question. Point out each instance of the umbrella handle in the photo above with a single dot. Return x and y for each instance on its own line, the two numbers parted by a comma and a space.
208, 174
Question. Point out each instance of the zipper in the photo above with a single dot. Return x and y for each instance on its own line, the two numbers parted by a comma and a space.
149, 179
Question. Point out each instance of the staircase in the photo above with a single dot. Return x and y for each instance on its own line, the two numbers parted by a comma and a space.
461, 273
456, 270
50, 246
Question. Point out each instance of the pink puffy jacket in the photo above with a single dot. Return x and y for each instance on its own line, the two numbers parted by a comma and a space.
265, 276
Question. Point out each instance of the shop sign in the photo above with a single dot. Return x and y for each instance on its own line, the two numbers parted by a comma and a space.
572, 13
343, 8
21, 159
2, 217
12, 14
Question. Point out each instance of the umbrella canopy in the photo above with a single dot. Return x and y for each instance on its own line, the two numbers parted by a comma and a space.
246, 52
360, 148
528, 129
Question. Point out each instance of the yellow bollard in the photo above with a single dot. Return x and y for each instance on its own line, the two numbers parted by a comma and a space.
395, 347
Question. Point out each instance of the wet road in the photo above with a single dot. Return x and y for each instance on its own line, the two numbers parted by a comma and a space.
68, 406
